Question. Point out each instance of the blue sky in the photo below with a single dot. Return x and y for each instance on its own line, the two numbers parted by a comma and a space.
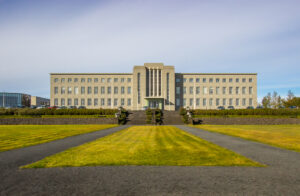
38, 37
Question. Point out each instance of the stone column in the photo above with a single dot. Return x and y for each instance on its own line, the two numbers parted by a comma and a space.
153, 79
149, 82
157, 81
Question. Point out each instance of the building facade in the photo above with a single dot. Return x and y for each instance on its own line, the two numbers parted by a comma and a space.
39, 101
13, 100
154, 85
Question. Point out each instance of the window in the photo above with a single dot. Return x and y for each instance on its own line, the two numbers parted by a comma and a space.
115, 79
62, 80
129, 102
230, 102
108, 80
122, 102
211, 90
197, 80
177, 90
75, 101
62, 102
55, 80
237, 80
89, 101
250, 102
197, 102
250, 79
69, 90
102, 90
250, 90
197, 90
95, 80
184, 80
230, 79
89, 80
129, 90
128, 79
69, 80
82, 102
184, 102
139, 87
122, 90
56, 102
109, 101
244, 90
217, 80
102, 102
76, 90
217, 102
75, 79
224, 80
55, 90
109, 90
244, 80
191, 102
102, 80
237, 90
191, 90
115, 102
205, 90
184, 90
230, 90
122, 80
95, 102
116, 90
217, 90
89, 90
237, 101
243, 101
82, 90
177, 102
63, 90
224, 102
69, 101
95, 90
82, 80
210, 101
191, 80
211, 80
204, 80
204, 102
224, 90
177, 79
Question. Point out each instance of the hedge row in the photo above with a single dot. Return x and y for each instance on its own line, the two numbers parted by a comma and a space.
46, 111
273, 112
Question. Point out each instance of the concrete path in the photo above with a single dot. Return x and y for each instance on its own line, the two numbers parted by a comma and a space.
281, 177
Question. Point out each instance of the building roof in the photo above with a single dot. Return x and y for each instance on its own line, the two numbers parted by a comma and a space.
91, 74
217, 73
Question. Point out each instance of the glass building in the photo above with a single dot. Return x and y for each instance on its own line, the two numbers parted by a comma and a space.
12, 100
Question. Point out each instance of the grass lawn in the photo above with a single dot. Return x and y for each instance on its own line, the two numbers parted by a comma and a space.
245, 116
146, 145
283, 136
18, 136
57, 116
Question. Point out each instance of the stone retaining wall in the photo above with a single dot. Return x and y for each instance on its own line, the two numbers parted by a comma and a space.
57, 121
246, 121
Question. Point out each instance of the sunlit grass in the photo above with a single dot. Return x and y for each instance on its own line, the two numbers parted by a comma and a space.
18, 136
283, 136
146, 145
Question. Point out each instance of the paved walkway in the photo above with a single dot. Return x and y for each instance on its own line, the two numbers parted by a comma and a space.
281, 177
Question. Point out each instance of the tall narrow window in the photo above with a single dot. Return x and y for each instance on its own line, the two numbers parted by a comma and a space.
168, 90
139, 87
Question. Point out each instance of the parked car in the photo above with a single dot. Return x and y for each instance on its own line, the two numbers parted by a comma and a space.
71, 107
41, 107
250, 107
293, 107
259, 107
230, 107
52, 107
221, 108
62, 107
33, 107
81, 107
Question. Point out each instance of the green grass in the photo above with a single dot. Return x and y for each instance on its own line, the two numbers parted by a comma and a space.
245, 116
283, 136
57, 116
146, 145
18, 136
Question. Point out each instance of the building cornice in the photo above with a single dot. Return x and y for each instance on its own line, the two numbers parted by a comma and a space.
91, 74
216, 73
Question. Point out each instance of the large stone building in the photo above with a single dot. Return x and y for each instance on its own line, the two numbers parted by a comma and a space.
154, 85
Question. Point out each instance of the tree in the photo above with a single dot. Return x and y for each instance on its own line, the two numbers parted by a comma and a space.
290, 95
266, 101
274, 100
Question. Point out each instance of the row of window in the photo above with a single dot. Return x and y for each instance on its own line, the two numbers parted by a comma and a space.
90, 90
216, 90
92, 102
89, 80
215, 102
211, 80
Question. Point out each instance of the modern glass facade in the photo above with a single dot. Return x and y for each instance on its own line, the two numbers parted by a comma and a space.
12, 100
